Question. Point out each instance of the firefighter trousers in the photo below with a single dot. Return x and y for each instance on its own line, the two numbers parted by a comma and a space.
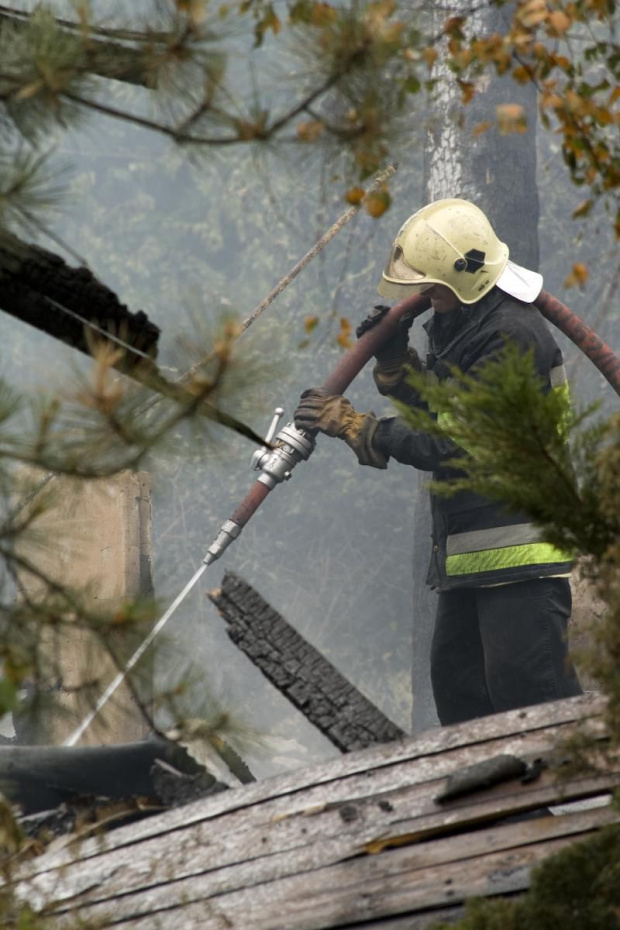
499, 648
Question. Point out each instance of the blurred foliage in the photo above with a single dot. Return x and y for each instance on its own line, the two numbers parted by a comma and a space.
570, 53
93, 427
517, 453
345, 74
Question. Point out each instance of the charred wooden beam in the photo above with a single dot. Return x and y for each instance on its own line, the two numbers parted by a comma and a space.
41, 289
299, 671
38, 778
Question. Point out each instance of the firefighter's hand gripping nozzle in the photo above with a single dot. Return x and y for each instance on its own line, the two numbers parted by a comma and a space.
275, 461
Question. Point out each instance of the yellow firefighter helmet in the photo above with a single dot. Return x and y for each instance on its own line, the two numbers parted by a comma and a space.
448, 242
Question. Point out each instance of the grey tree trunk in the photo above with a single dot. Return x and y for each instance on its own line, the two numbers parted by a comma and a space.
498, 173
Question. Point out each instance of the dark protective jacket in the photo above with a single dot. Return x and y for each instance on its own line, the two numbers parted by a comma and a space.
476, 542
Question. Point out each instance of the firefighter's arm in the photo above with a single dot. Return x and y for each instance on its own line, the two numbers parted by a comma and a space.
394, 359
394, 438
334, 415
374, 440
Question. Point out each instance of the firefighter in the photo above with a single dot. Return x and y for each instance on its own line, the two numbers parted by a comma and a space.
504, 599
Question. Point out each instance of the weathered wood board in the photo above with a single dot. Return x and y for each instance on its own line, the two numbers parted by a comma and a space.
354, 840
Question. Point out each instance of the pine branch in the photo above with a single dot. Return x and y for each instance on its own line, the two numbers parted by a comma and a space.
107, 59
132, 35
511, 445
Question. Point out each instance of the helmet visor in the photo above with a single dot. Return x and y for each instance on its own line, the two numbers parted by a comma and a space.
392, 291
398, 271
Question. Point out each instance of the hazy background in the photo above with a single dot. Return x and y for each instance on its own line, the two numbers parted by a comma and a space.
186, 240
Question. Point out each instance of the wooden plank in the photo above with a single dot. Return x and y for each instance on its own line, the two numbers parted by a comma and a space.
283, 839
299, 671
315, 903
234, 850
419, 921
293, 844
462, 849
357, 775
254, 862
402, 881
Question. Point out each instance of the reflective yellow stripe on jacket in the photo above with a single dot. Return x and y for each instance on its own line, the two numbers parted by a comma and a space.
497, 548
511, 546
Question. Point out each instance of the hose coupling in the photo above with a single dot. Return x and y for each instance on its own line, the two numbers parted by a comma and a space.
291, 446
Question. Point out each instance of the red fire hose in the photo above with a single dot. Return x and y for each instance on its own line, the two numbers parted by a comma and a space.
337, 382
605, 359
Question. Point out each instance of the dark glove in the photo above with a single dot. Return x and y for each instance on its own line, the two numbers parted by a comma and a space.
394, 355
369, 322
334, 415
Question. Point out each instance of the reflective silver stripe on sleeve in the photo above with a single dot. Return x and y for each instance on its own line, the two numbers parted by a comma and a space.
519, 534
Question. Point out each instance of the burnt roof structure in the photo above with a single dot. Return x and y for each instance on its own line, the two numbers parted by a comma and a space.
391, 837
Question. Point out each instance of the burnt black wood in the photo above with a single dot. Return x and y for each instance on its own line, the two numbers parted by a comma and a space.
33, 280
299, 671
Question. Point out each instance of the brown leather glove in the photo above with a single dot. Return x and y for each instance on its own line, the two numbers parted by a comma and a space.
334, 415
395, 356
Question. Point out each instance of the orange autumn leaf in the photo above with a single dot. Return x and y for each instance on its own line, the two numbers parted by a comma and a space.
344, 336
480, 128
522, 74
550, 100
311, 323
561, 61
511, 118
309, 131
194, 9
430, 57
558, 22
453, 27
583, 209
578, 276
377, 203
323, 14
468, 89
532, 13
354, 195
